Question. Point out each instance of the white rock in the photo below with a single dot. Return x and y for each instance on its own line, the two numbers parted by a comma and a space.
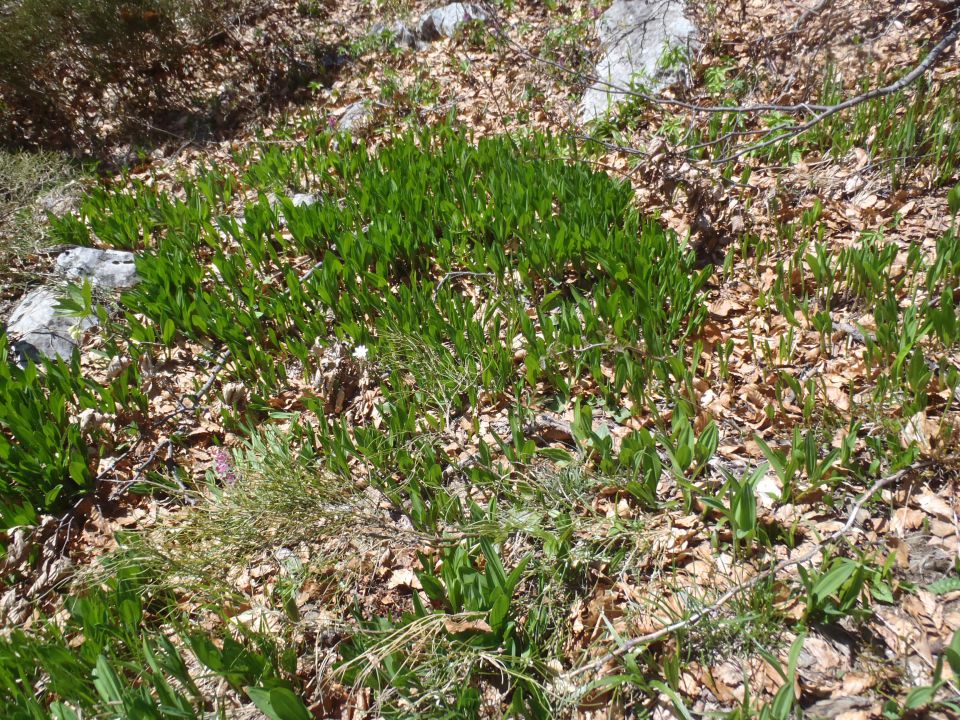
354, 116
633, 37
36, 330
768, 491
398, 33
111, 269
445, 21
302, 199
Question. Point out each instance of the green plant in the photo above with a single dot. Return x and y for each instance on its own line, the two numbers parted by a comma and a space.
927, 697
836, 589
717, 81
737, 504
110, 654
471, 620
568, 45
44, 457
945, 585
436, 214
461, 587
802, 455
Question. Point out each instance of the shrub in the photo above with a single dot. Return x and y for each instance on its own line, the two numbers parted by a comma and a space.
66, 64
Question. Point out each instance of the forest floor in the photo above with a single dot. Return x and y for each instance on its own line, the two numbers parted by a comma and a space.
653, 418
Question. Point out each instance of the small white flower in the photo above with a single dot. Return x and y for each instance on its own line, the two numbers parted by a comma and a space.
360, 352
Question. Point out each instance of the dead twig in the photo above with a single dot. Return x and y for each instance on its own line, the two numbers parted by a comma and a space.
807, 14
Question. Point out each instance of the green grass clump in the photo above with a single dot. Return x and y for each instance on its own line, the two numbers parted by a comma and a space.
909, 134
113, 656
463, 246
45, 456
24, 179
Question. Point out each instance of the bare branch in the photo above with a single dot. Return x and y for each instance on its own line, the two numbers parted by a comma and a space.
821, 111
922, 67
807, 14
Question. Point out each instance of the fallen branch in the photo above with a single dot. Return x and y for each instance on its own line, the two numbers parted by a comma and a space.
921, 68
807, 14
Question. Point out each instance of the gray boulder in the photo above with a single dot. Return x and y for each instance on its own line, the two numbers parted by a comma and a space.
445, 21
60, 200
399, 34
304, 199
633, 37
354, 117
37, 330
109, 269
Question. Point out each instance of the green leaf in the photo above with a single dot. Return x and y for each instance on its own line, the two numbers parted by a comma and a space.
59, 711
920, 697
953, 200
774, 457
50, 497
168, 331
78, 471
945, 585
287, 706
830, 582
707, 443
675, 698
107, 683
495, 567
261, 698
432, 587
514, 577
206, 652
745, 510
500, 607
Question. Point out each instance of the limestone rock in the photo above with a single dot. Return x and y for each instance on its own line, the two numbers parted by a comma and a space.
109, 269
304, 199
633, 37
445, 21
354, 117
36, 330
399, 34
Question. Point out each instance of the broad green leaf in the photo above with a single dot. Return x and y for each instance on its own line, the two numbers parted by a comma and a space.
288, 706
830, 582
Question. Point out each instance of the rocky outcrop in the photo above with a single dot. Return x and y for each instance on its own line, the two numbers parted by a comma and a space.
445, 21
434, 24
634, 35
36, 328
111, 269
354, 117
399, 34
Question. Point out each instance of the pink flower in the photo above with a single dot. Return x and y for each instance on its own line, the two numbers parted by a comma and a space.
223, 468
